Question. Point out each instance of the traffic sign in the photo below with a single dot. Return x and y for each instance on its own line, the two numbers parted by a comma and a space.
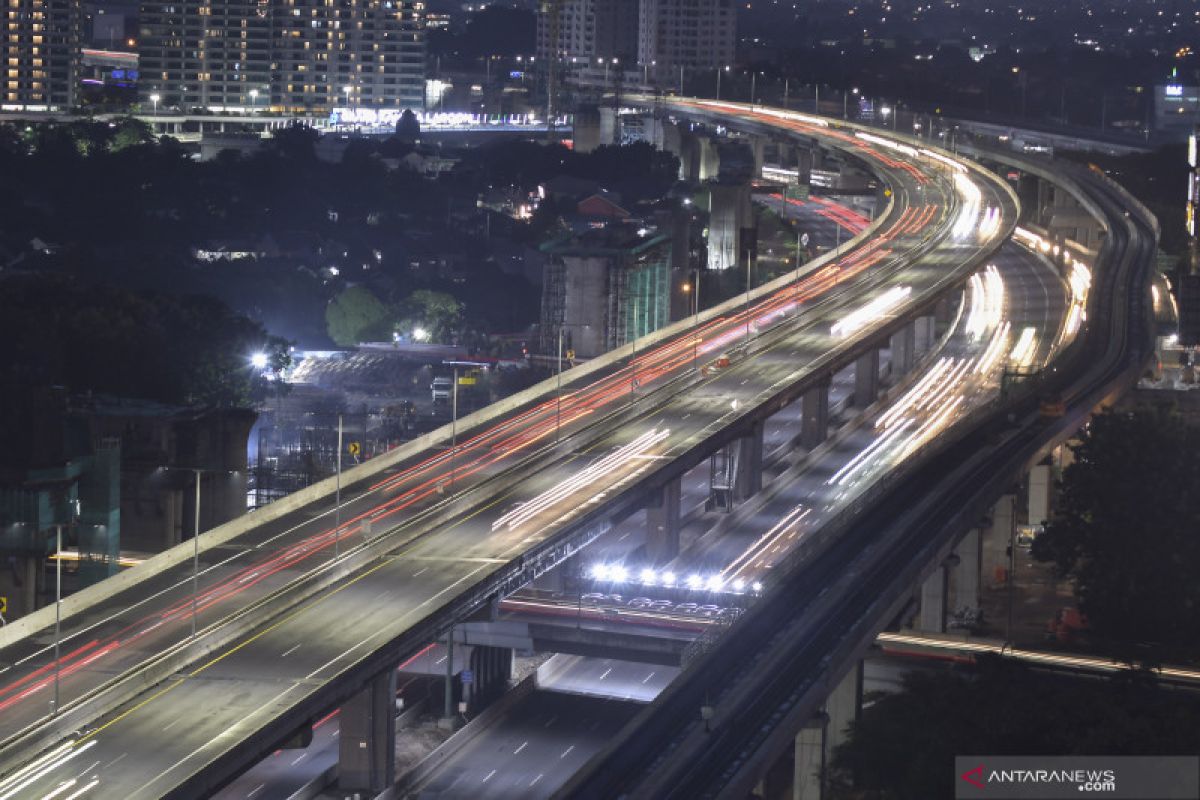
804, 240
467, 676
353, 448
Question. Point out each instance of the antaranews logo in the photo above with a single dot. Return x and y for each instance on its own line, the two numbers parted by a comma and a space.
1051, 777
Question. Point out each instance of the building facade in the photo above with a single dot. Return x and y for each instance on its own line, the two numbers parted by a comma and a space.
287, 56
692, 34
40, 54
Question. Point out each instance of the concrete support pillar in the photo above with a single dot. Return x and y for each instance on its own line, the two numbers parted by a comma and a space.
1039, 494
804, 166
662, 525
903, 343
923, 334
814, 416
810, 761
996, 559
843, 707
758, 145
866, 378
932, 618
367, 737
749, 464
491, 671
966, 574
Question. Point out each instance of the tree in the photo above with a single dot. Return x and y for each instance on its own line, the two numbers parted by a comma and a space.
408, 128
356, 315
296, 142
436, 312
904, 744
1127, 530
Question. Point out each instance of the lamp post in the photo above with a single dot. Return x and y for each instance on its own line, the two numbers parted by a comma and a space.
719, 71
154, 98
196, 556
695, 291
753, 79
453, 426
846, 102
253, 101
337, 508
57, 607
348, 90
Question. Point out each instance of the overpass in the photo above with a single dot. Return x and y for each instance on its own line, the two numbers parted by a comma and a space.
783, 681
432, 533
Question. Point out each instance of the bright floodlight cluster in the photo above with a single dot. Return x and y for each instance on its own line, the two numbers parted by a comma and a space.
616, 573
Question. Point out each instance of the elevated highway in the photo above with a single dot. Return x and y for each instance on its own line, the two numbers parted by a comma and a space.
430, 534
763, 686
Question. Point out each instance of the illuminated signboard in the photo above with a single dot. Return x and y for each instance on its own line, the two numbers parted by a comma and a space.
1173, 90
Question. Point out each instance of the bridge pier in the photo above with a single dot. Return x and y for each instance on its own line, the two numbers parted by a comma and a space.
932, 618
866, 378
1040, 484
996, 557
491, 671
367, 737
814, 416
816, 741
749, 464
966, 574
903, 343
923, 334
662, 524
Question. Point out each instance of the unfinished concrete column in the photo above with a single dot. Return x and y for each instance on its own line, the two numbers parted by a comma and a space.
367, 737
843, 707
662, 524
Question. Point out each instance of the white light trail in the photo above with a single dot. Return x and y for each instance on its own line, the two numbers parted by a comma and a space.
586, 477
875, 310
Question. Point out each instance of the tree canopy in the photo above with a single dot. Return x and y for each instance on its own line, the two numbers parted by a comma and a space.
356, 315
1127, 530
904, 745
173, 349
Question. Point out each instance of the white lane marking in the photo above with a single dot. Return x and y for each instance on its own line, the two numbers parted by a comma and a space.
605, 675
535, 780
114, 761
550, 722
256, 790
522, 747
648, 677
418, 572
84, 790
290, 650
568, 750
488, 777
170, 725
299, 758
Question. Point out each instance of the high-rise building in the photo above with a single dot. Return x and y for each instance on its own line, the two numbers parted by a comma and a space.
292, 56
693, 34
661, 35
40, 54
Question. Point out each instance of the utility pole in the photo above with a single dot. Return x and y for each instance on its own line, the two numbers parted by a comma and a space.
453, 426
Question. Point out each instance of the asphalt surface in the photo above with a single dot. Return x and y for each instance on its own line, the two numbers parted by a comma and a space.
227, 699
534, 750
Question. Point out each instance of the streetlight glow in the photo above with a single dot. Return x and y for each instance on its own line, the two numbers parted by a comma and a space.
259, 360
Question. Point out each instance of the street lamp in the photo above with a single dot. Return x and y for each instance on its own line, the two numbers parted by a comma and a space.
259, 360
154, 98
719, 71
694, 289
845, 102
253, 101
883, 112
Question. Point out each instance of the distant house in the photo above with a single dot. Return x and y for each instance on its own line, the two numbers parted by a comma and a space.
225, 250
426, 163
